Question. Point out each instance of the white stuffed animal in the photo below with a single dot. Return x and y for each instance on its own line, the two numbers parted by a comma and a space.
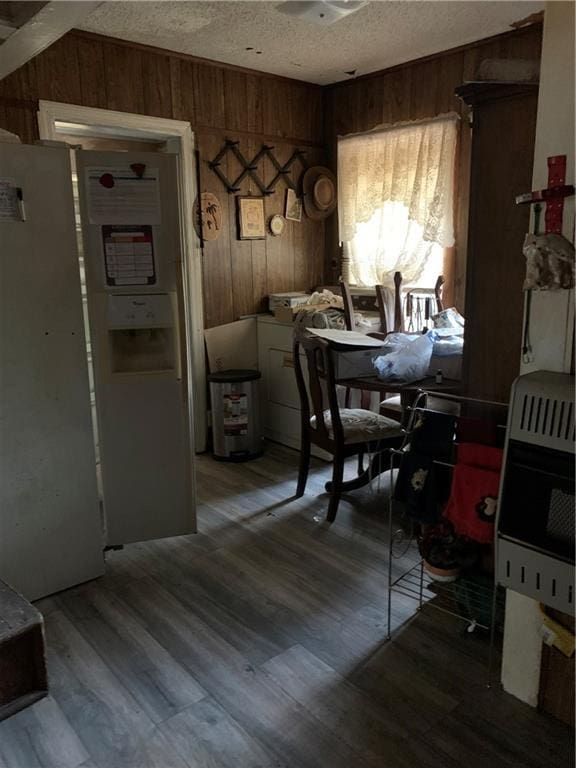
549, 262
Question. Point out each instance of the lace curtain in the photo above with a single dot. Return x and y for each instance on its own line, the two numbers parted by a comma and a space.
395, 200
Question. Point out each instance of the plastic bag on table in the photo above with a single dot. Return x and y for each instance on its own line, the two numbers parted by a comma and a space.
448, 345
449, 318
397, 340
409, 363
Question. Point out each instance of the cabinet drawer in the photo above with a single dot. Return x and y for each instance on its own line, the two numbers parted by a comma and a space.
282, 387
282, 425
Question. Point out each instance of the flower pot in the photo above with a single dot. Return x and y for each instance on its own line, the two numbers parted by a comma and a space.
441, 574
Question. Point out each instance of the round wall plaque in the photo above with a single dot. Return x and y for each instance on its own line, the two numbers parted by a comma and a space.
208, 224
277, 224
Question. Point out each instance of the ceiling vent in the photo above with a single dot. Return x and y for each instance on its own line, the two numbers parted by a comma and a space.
322, 12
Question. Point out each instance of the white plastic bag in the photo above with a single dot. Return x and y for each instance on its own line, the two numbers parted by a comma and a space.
449, 318
395, 341
407, 364
445, 346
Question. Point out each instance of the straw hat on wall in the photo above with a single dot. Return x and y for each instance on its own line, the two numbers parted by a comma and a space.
319, 187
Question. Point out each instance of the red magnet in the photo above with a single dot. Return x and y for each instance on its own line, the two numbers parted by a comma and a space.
138, 169
107, 180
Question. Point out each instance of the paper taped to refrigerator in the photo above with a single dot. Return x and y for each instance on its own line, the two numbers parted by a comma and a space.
9, 204
129, 254
122, 196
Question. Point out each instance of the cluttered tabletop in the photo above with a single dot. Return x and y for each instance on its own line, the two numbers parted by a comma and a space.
426, 356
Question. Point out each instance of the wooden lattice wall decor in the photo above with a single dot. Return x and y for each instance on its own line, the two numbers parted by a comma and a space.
250, 167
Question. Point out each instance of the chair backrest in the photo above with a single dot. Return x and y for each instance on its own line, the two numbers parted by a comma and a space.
381, 299
317, 390
348, 306
438, 291
424, 294
419, 304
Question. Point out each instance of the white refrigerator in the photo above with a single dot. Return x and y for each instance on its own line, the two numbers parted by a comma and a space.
67, 490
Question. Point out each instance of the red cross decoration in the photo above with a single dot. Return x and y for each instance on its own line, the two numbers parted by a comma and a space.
554, 194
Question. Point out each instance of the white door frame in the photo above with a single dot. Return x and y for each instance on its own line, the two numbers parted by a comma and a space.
107, 122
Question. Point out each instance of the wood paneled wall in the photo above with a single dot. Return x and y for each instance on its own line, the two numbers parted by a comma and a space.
220, 102
413, 91
226, 102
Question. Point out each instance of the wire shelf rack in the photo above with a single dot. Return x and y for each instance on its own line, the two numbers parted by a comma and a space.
473, 596
465, 598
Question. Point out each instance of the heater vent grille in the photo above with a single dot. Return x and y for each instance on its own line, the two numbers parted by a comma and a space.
547, 417
540, 576
543, 415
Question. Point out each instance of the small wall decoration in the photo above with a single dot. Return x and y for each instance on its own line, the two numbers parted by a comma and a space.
250, 167
251, 221
293, 208
319, 192
208, 216
277, 224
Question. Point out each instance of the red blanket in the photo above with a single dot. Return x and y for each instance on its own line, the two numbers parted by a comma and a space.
474, 494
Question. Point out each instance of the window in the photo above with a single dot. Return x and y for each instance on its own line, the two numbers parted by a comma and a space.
395, 189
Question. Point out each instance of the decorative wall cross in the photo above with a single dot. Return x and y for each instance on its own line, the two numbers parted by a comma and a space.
250, 167
554, 195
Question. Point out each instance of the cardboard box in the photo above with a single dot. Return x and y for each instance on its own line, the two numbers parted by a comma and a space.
232, 346
357, 362
291, 299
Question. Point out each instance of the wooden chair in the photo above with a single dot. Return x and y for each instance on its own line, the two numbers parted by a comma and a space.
342, 432
427, 296
391, 406
348, 306
381, 303
365, 396
381, 300
395, 410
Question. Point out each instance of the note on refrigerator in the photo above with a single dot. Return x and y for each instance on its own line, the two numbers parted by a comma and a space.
10, 206
123, 196
129, 255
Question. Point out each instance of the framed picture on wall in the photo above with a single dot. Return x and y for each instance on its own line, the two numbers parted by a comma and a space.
251, 220
293, 209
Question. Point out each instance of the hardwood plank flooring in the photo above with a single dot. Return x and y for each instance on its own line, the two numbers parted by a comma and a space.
260, 643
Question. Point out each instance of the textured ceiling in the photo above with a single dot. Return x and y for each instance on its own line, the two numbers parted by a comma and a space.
382, 34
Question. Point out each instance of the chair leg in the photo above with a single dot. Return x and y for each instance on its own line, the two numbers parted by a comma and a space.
337, 475
303, 468
361, 462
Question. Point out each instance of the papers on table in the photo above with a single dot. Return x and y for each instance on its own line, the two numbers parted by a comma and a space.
348, 338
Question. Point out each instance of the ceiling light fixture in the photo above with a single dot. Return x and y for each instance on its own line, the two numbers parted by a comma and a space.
322, 12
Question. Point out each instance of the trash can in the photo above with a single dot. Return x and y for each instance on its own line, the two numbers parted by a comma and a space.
235, 415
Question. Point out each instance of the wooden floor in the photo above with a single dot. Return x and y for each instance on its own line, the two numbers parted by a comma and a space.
259, 642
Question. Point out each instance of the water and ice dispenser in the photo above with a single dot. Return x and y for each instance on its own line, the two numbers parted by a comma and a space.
142, 336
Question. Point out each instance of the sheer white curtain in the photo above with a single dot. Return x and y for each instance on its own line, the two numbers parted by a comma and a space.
396, 201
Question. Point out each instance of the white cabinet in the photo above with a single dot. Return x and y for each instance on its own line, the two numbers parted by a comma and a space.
279, 392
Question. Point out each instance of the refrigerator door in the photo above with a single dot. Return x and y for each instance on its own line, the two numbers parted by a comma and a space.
133, 260
50, 524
